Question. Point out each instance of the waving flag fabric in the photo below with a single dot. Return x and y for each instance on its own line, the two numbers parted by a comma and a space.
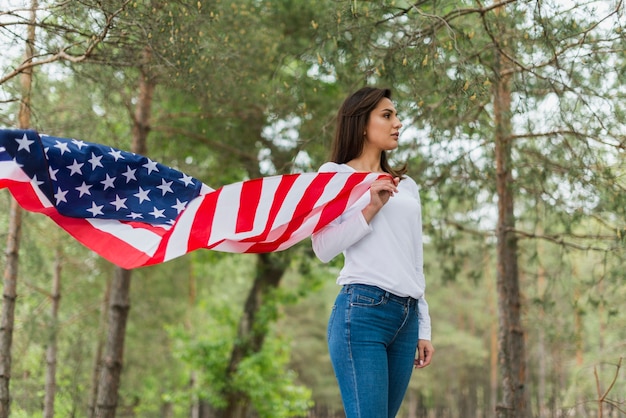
135, 212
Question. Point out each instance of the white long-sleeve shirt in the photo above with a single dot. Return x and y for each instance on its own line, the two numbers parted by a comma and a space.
387, 252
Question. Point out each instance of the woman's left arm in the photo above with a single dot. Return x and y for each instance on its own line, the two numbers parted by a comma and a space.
425, 347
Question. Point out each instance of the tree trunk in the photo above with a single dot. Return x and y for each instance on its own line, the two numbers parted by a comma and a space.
542, 354
51, 350
512, 355
113, 359
492, 393
8, 306
97, 364
111, 369
13, 240
251, 332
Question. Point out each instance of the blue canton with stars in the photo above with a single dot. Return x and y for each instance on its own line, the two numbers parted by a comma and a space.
87, 180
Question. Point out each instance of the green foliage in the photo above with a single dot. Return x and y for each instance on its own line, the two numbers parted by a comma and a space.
272, 389
208, 354
264, 376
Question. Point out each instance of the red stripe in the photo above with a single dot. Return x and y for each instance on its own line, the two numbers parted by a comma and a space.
337, 205
24, 194
203, 222
248, 204
286, 183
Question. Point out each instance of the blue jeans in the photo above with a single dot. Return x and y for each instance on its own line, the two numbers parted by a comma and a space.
372, 340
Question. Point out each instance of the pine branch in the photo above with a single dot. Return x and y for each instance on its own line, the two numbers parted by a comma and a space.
64, 54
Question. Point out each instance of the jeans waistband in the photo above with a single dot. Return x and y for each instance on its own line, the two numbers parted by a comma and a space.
404, 300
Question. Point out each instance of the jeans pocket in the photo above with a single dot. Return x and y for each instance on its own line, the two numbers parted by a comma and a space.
367, 299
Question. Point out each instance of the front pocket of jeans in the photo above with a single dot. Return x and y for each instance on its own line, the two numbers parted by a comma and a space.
364, 300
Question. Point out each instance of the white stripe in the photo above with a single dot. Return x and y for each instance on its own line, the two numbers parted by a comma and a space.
141, 239
42, 197
226, 211
233, 246
10, 170
178, 242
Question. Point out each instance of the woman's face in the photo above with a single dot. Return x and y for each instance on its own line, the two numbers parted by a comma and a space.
383, 128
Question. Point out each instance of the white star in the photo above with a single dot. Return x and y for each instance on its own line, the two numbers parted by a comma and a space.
108, 182
157, 213
116, 154
75, 168
62, 146
142, 195
95, 209
37, 182
119, 203
130, 174
151, 166
180, 206
79, 144
60, 195
165, 187
135, 215
186, 179
95, 161
24, 143
84, 189
53, 173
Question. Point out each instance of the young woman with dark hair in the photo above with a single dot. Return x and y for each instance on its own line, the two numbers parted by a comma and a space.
379, 326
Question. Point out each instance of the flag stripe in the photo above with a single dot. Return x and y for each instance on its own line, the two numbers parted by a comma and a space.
202, 227
249, 201
181, 239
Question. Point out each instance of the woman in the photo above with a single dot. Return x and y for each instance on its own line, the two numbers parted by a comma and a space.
380, 317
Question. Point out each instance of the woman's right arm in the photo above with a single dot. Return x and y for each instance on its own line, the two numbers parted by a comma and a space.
340, 234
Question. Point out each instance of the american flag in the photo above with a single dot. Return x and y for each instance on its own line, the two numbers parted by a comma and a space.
136, 212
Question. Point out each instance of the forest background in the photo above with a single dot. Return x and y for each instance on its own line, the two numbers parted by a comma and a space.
513, 117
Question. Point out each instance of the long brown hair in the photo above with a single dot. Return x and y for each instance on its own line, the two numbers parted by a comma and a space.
352, 120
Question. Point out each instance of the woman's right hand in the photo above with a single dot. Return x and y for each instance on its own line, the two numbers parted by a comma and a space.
380, 192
